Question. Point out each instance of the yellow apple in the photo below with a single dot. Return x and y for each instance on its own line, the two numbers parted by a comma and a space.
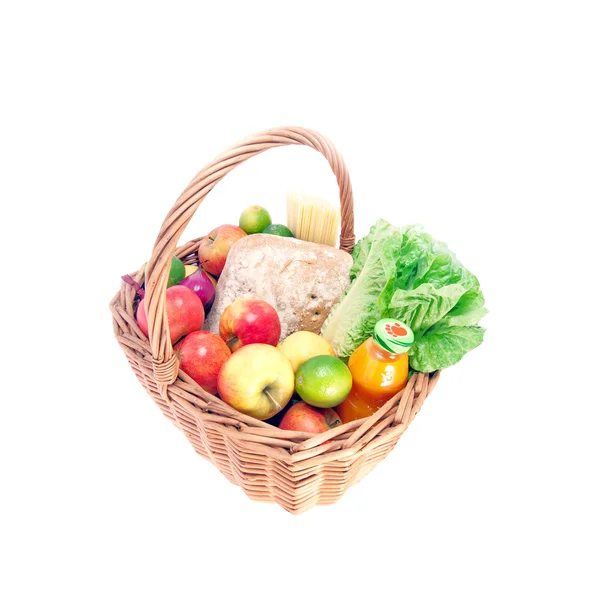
302, 345
257, 380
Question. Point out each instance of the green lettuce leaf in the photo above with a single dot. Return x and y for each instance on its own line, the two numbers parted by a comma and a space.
422, 308
442, 322
468, 311
443, 346
352, 321
471, 301
423, 259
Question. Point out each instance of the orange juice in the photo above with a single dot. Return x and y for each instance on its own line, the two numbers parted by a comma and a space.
379, 370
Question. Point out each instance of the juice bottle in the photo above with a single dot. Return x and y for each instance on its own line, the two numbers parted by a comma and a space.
379, 370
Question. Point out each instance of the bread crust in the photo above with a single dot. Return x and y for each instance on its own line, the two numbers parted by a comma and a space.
301, 280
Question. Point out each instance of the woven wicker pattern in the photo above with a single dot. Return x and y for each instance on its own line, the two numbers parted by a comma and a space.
294, 469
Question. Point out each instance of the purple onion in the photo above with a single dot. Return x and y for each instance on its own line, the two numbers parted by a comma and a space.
200, 283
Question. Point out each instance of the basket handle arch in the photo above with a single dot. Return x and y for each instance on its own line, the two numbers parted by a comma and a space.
164, 361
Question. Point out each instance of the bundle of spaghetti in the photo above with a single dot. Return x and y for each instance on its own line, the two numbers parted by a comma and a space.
313, 219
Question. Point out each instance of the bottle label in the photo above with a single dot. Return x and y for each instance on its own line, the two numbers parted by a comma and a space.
393, 335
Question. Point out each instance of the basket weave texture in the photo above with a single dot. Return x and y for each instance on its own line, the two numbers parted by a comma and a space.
294, 469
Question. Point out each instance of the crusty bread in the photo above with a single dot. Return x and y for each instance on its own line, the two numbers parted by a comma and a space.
301, 280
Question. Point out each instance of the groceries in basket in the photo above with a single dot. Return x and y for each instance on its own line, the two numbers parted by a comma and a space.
286, 329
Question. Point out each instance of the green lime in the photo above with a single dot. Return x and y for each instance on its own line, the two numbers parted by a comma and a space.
176, 272
276, 229
254, 219
323, 381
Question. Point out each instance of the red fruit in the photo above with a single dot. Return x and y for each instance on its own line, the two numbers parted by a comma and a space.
214, 248
249, 321
202, 354
185, 312
303, 417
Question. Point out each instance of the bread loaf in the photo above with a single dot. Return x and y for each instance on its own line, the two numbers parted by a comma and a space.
301, 280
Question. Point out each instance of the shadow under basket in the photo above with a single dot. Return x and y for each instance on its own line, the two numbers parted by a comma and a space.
294, 469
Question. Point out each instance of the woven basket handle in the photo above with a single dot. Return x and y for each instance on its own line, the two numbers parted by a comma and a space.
164, 360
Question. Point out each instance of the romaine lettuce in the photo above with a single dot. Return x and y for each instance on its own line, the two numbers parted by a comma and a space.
408, 275
352, 321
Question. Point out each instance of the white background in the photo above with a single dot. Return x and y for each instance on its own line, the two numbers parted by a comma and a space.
479, 120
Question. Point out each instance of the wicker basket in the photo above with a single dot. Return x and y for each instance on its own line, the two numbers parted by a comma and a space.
294, 469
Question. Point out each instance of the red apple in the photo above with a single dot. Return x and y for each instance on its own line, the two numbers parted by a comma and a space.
303, 417
214, 248
185, 312
202, 284
249, 321
202, 354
